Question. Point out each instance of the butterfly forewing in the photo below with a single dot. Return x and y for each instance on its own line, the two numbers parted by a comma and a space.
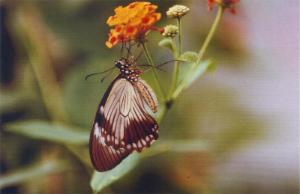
104, 157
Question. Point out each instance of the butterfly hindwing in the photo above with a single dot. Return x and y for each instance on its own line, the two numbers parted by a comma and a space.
126, 123
147, 94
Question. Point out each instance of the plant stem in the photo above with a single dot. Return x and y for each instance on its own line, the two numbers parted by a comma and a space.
176, 64
204, 46
209, 35
161, 114
37, 50
179, 35
155, 75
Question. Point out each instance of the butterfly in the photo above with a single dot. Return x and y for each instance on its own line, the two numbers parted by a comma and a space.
122, 123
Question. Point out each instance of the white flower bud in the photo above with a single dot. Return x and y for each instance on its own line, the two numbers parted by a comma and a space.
177, 11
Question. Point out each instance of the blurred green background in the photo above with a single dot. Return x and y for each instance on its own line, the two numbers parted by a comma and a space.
234, 131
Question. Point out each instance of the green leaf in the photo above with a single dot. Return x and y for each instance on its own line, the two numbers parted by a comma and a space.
47, 131
200, 69
177, 146
33, 172
193, 75
168, 43
189, 56
101, 180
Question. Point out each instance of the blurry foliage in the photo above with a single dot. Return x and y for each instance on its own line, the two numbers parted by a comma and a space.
31, 173
59, 42
47, 131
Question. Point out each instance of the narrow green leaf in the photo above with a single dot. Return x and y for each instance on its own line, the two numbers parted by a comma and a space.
189, 56
101, 180
168, 43
30, 173
194, 74
177, 146
200, 69
48, 131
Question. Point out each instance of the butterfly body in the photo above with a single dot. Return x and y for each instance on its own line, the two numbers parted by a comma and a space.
122, 124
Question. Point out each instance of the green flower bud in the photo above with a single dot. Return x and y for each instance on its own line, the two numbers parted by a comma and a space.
170, 31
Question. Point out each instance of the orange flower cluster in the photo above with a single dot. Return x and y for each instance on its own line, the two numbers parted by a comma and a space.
226, 4
131, 22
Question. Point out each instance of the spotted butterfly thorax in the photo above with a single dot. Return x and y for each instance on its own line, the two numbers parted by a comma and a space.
122, 124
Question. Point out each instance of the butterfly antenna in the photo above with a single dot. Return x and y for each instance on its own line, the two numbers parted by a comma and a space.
160, 65
150, 67
164, 63
98, 73
103, 78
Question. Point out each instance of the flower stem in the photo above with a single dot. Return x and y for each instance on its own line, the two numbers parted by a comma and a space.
176, 64
161, 114
204, 46
155, 74
209, 35
179, 35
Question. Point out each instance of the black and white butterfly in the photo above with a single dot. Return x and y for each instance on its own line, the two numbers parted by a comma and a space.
122, 124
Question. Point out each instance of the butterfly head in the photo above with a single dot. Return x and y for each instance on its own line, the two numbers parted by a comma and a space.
128, 70
122, 64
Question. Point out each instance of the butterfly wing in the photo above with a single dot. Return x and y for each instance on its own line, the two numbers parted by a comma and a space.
147, 94
122, 125
126, 123
104, 157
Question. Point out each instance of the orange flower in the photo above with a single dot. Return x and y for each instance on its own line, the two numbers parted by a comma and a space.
226, 4
131, 22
